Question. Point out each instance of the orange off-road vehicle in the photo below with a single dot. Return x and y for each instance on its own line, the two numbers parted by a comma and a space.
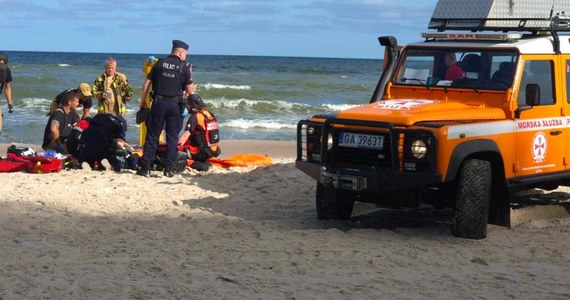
478, 109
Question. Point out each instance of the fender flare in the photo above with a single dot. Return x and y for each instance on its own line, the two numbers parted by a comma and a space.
466, 149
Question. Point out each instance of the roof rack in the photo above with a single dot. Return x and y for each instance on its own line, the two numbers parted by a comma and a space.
501, 15
557, 23
487, 36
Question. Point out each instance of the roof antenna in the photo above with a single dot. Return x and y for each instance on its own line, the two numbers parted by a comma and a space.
553, 26
511, 5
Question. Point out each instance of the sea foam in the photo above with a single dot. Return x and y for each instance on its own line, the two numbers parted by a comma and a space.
258, 124
211, 86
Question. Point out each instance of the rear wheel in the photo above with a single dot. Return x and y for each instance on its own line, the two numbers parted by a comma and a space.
333, 204
472, 200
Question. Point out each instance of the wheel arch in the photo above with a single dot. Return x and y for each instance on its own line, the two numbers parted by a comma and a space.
481, 149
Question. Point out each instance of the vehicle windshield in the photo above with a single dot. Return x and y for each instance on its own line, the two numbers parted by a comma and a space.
457, 68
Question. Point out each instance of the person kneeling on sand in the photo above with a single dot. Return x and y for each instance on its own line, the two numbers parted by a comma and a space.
60, 124
201, 134
105, 139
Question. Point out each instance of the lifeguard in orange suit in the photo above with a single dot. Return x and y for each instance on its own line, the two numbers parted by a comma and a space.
201, 134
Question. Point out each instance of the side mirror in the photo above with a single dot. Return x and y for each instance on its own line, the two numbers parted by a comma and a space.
532, 94
532, 98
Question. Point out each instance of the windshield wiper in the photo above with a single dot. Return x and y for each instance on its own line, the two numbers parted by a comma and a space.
420, 81
476, 90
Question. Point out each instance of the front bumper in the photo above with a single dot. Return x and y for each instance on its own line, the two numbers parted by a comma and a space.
365, 180
387, 169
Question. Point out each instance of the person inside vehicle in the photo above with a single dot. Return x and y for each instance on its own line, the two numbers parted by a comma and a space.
453, 70
503, 77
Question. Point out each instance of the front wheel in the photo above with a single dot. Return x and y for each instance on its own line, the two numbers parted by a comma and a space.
472, 200
333, 204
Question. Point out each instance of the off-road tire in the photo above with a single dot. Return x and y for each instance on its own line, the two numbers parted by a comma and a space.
333, 204
472, 200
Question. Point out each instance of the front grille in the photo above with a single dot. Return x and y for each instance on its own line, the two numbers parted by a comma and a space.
361, 157
319, 143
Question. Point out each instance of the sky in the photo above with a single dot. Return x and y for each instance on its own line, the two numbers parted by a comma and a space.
310, 28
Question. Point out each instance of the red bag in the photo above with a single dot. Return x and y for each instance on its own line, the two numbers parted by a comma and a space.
12, 166
32, 164
41, 164
14, 163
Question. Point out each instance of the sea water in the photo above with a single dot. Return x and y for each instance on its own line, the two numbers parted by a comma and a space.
253, 97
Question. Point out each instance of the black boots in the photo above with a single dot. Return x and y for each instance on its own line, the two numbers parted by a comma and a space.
200, 166
169, 171
144, 170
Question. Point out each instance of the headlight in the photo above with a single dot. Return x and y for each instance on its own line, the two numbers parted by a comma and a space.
418, 149
329, 141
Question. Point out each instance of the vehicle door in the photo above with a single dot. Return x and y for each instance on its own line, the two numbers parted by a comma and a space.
540, 129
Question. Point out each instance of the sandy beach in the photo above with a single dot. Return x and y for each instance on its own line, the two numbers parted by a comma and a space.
252, 233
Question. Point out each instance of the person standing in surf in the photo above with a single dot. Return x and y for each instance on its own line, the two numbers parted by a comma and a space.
5, 84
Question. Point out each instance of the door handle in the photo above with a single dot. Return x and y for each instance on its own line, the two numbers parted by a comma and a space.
555, 133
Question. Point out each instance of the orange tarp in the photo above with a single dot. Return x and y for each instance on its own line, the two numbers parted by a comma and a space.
242, 160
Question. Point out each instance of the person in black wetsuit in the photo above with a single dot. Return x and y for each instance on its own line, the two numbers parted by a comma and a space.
104, 137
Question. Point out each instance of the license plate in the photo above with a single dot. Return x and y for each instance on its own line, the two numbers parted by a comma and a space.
361, 140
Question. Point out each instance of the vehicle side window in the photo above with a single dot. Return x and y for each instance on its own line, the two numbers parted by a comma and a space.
538, 72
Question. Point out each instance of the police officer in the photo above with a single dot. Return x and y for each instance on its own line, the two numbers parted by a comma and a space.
170, 78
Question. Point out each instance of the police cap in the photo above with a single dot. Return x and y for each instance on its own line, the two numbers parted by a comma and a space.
179, 44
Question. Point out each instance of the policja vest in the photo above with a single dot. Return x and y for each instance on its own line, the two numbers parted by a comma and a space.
167, 81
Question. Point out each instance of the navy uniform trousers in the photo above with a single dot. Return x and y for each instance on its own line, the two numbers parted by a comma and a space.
163, 114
